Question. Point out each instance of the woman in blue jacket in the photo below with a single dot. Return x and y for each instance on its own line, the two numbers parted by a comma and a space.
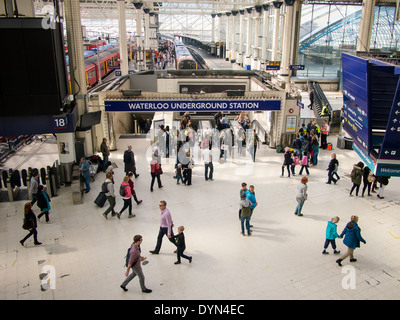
251, 195
352, 239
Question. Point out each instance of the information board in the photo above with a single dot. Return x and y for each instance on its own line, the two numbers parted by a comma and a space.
355, 100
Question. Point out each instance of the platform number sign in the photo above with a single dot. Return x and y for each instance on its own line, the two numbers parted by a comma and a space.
60, 122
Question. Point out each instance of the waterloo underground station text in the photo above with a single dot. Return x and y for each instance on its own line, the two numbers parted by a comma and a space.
263, 105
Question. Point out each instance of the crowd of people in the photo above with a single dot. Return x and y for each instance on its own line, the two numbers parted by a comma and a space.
303, 152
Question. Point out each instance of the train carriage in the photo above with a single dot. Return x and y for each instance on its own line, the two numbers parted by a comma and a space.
184, 60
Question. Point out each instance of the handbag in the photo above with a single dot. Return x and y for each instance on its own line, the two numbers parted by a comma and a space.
159, 170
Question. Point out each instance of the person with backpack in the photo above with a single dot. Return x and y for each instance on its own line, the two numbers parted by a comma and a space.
126, 194
356, 176
108, 189
43, 203
134, 264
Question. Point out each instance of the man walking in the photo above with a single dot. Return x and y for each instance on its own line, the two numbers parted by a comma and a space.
208, 165
109, 194
166, 225
134, 264
106, 152
311, 99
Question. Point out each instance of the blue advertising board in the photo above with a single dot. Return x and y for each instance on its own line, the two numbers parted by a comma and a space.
355, 100
391, 142
191, 105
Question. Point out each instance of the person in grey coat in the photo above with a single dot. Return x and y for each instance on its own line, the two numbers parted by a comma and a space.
34, 184
301, 195
129, 161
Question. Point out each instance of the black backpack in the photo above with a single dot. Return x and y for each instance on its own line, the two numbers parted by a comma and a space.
104, 188
127, 257
122, 190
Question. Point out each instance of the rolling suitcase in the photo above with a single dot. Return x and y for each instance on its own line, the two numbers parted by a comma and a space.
101, 199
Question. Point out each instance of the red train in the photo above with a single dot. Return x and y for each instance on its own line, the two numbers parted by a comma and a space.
108, 60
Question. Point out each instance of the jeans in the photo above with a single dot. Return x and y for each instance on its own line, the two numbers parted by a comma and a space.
135, 272
153, 176
179, 178
206, 167
304, 167
127, 203
105, 162
329, 241
31, 232
111, 200
300, 204
87, 183
46, 213
243, 221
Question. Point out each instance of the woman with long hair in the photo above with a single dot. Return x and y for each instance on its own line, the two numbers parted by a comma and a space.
30, 224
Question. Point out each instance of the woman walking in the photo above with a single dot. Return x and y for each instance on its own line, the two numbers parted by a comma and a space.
155, 171
125, 192
30, 224
301, 195
356, 175
43, 203
352, 239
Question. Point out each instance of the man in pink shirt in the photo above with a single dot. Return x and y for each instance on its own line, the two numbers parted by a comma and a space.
165, 227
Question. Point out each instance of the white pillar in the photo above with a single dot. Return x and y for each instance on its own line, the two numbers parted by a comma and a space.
247, 59
367, 18
233, 32
227, 42
123, 46
277, 9
287, 44
265, 32
139, 42
241, 32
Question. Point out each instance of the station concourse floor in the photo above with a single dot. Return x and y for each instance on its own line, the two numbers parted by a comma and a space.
281, 259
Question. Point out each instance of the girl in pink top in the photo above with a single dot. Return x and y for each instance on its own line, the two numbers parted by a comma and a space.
304, 163
125, 192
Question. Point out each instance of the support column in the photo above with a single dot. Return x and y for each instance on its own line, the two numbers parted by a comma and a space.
227, 42
287, 44
219, 39
277, 13
367, 18
77, 70
241, 32
247, 59
256, 50
265, 33
233, 40
213, 47
139, 42
123, 46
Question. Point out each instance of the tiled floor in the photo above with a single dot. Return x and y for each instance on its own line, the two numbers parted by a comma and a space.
281, 260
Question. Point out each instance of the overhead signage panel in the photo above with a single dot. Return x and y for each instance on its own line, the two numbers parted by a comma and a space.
191, 105
391, 143
355, 100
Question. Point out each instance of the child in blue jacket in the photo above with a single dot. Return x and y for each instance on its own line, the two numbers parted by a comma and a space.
331, 235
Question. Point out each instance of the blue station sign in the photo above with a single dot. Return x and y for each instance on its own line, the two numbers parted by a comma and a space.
191, 105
